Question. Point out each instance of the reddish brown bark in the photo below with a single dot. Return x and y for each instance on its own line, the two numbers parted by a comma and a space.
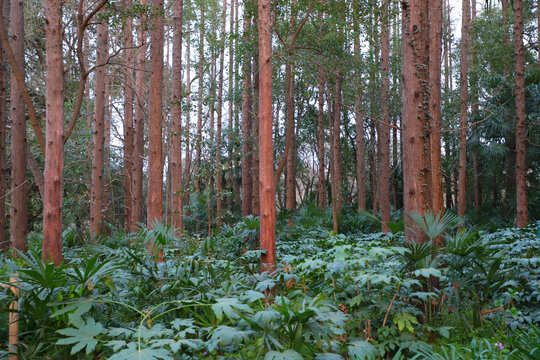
321, 187
4, 14
189, 146
54, 97
256, 144
98, 136
247, 144
219, 185
176, 121
521, 127
435, 50
415, 95
464, 67
137, 201
266, 166
128, 114
198, 143
290, 193
19, 187
383, 132
155, 118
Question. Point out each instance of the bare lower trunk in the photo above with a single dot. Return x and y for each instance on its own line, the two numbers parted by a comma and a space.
256, 143
337, 147
176, 121
247, 144
19, 186
219, 185
138, 133
290, 194
128, 115
198, 144
521, 129
98, 136
54, 98
267, 183
383, 132
464, 64
321, 187
155, 147
4, 244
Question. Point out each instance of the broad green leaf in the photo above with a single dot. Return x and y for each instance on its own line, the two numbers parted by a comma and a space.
251, 296
82, 337
225, 335
286, 355
361, 350
427, 272
227, 306
133, 353
328, 356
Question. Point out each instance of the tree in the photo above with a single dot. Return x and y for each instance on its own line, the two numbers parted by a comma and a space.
19, 192
176, 120
127, 39
54, 97
155, 119
4, 14
247, 144
219, 185
463, 105
98, 136
321, 188
138, 128
521, 128
266, 166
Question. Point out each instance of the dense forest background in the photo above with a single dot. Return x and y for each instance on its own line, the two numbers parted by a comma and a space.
326, 150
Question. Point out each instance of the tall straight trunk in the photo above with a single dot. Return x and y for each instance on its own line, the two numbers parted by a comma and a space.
256, 199
333, 187
198, 144
187, 163
360, 151
54, 98
415, 95
176, 121
138, 131
435, 49
447, 89
474, 111
266, 156
19, 187
321, 188
290, 194
521, 129
338, 173
128, 114
219, 190
155, 119
4, 13
98, 134
247, 144
383, 141
464, 67
230, 99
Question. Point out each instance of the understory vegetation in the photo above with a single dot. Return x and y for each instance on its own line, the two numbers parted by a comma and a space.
358, 295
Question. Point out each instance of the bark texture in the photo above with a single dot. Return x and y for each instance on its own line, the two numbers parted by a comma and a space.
266, 166
19, 186
155, 118
54, 97
383, 130
127, 39
463, 106
321, 187
4, 14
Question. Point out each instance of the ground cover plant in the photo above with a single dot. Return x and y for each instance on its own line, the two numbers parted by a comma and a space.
349, 296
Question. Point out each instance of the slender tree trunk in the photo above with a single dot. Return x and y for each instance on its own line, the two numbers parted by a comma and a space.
360, 150
290, 194
247, 144
19, 186
521, 127
256, 143
98, 136
338, 173
266, 169
155, 147
464, 64
415, 95
138, 133
4, 13
332, 165
383, 132
448, 90
198, 147
230, 97
321, 188
435, 49
54, 98
474, 111
128, 114
176, 121
219, 186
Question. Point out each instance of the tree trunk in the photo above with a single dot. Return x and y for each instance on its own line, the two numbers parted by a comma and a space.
176, 121
521, 129
230, 97
290, 193
98, 135
383, 132
155, 119
464, 65
19, 186
321, 188
54, 98
189, 146
219, 190
338, 173
4, 13
128, 114
256, 144
415, 95
360, 150
247, 143
198, 145
138, 133
266, 165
